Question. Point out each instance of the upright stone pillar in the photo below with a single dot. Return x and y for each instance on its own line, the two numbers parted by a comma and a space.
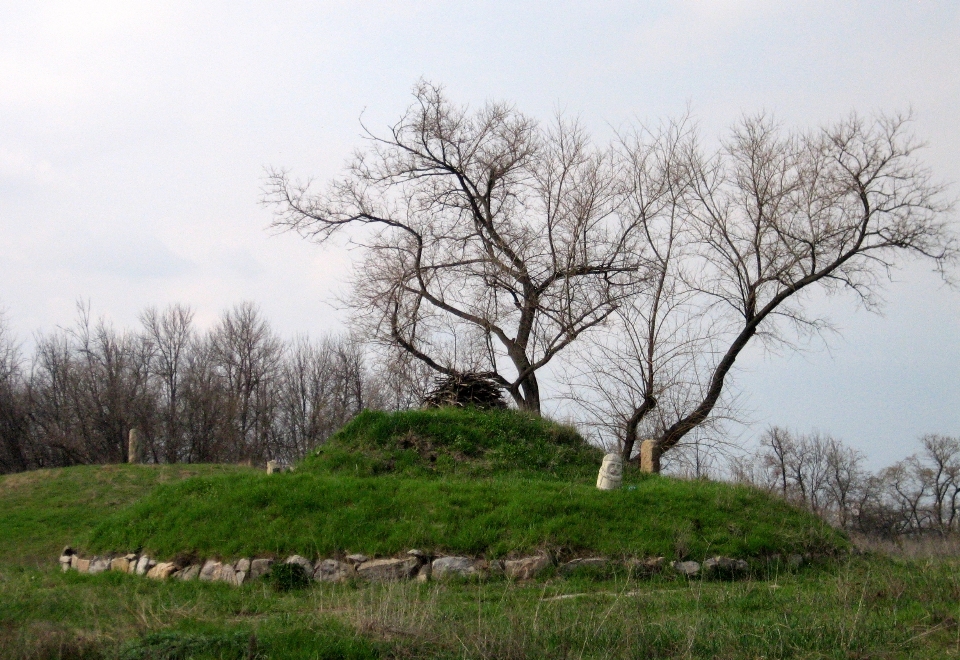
134, 446
650, 456
271, 467
611, 472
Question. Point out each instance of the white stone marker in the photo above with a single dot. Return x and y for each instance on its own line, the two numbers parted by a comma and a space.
611, 472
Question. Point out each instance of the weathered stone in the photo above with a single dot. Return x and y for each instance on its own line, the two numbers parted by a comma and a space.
725, 567
144, 564
650, 456
243, 565
99, 565
272, 467
67, 551
611, 472
302, 561
191, 572
74, 559
259, 568
134, 446
388, 570
121, 564
526, 568
445, 567
65, 561
687, 568
585, 562
240, 578
795, 561
357, 558
648, 566
132, 559
228, 574
425, 572
83, 565
162, 571
331, 570
211, 571
419, 554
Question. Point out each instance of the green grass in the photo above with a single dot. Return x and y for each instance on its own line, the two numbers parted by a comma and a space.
857, 608
483, 483
44, 510
453, 441
239, 515
851, 607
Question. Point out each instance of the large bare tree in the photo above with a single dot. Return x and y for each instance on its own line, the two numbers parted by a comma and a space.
777, 215
490, 242
736, 241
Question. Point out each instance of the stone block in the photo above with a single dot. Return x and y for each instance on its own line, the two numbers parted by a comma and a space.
243, 565
526, 568
191, 572
425, 572
83, 565
211, 571
687, 568
228, 574
99, 565
162, 571
648, 566
259, 568
144, 564
446, 567
650, 456
357, 558
331, 570
388, 570
121, 564
725, 567
305, 563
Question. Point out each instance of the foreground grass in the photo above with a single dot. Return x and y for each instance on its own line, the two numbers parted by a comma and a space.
859, 608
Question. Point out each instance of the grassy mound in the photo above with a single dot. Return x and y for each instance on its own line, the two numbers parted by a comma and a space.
455, 441
446, 481
325, 515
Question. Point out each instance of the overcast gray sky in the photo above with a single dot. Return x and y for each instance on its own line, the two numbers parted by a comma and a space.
133, 137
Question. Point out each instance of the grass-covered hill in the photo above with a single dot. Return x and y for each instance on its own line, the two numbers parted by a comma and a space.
456, 442
447, 481
456, 481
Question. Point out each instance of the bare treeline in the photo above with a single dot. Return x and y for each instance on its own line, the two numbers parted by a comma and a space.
235, 393
920, 494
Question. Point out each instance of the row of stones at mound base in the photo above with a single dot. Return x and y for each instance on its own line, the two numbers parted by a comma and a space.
416, 565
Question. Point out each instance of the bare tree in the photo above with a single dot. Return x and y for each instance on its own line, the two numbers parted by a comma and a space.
775, 216
170, 334
491, 243
15, 449
247, 355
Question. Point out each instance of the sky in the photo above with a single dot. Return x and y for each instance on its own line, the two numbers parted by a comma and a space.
134, 137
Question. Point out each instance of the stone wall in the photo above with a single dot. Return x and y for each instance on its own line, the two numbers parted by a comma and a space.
414, 565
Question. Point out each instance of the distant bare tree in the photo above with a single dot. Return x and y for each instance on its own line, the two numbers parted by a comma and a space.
323, 385
490, 243
15, 450
247, 357
170, 335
